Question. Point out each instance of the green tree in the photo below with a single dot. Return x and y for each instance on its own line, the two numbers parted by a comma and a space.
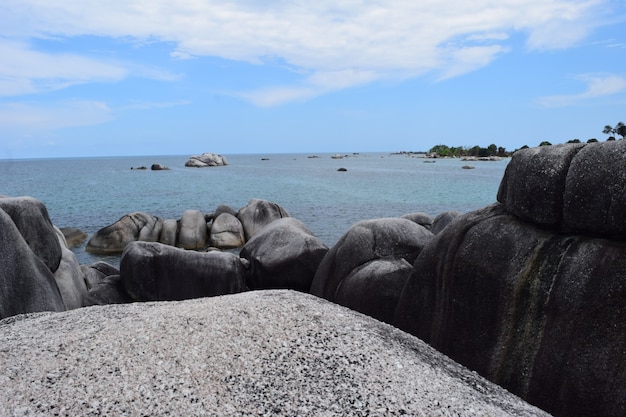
619, 129
592, 140
545, 143
574, 141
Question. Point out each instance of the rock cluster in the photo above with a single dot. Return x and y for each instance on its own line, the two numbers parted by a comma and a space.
223, 229
530, 292
206, 159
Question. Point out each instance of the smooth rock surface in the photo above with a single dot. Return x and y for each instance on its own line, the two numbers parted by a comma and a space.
257, 214
206, 159
279, 353
129, 228
153, 271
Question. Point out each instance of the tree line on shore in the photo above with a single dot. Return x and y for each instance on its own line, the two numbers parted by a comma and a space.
494, 150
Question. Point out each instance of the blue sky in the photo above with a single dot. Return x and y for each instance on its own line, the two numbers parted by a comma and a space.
157, 77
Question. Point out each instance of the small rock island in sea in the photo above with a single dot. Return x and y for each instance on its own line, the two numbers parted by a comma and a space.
207, 159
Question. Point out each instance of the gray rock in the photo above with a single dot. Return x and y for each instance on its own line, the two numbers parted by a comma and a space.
284, 254
374, 287
443, 219
206, 159
129, 228
27, 284
109, 290
369, 240
224, 209
169, 232
73, 236
192, 233
69, 277
92, 276
279, 353
534, 182
538, 312
31, 218
594, 201
226, 232
154, 272
159, 167
420, 218
258, 214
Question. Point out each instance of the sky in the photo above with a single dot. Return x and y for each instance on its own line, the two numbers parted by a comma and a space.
182, 77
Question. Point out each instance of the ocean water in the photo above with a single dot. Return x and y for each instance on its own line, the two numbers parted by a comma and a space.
91, 193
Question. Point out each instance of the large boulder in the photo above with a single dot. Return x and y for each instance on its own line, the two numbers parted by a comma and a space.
258, 214
169, 232
69, 277
206, 159
285, 254
540, 313
109, 290
442, 220
192, 232
226, 232
129, 228
420, 218
152, 271
26, 283
31, 218
344, 274
260, 353
573, 188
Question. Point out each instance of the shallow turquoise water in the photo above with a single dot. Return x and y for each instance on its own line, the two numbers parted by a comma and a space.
90, 193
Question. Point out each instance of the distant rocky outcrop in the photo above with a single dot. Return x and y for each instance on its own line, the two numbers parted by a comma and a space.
207, 159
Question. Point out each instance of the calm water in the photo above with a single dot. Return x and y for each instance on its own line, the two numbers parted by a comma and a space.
90, 193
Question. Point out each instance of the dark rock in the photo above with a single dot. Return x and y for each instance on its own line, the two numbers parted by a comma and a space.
594, 200
534, 182
390, 239
192, 233
73, 236
155, 272
374, 287
129, 228
342, 169
31, 218
92, 276
27, 284
159, 167
224, 209
109, 290
284, 254
226, 232
258, 214
105, 268
420, 218
141, 168
540, 313
443, 219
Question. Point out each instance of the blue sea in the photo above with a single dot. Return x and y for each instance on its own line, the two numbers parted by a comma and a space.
91, 193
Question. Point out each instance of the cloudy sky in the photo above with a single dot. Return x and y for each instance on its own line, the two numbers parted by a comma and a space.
158, 77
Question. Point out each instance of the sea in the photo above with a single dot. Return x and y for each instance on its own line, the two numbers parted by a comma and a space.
91, 193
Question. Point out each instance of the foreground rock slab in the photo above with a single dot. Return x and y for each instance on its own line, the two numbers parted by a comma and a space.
258, 353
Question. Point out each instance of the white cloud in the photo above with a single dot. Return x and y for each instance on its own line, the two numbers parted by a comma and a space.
325, 38
597, 86
34, 117
25, 71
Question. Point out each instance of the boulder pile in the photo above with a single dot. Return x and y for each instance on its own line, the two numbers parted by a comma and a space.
530, 292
